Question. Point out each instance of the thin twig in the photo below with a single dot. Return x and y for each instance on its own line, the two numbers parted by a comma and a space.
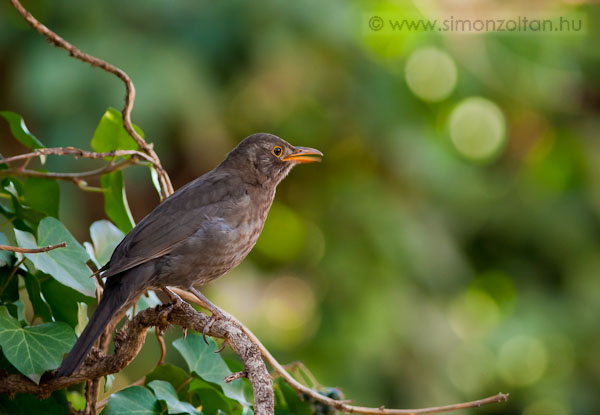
32, 250
12, 274
74, 177
185, 382
163, 347
303, 371
64, 151
341, 405
56, 40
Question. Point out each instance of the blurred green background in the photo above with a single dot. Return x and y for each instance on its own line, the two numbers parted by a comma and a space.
447, 248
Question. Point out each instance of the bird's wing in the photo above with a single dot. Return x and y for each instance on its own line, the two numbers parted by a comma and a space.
173, 221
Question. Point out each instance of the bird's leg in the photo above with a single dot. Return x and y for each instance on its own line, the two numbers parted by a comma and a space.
175, 301
216, 313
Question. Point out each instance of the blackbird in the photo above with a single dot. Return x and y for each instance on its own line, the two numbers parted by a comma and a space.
197, 234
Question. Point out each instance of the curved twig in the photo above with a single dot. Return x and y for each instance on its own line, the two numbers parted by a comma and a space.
62, 151
32, 250
341, 405
74, 177
56, 40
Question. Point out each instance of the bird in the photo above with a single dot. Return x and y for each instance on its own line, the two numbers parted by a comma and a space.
199, 233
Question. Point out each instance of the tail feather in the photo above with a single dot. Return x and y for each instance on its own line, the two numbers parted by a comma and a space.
113, 299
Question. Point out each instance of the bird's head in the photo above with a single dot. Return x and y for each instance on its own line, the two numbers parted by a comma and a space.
266, 157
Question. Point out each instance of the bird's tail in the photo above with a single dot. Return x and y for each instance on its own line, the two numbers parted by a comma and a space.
114, 298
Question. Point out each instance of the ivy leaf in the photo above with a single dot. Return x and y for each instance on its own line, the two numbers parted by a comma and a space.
24, 213
108, 382
115, 201
111, 135
5, 256
293, 402
156, 182
36, 349
213, 401
10, 285
26, 404
170, 373
67, 265
164, 391
133, 400
64, 301
202, 360
150, 299
105, 238
19, 130
82, 318
42, 195
34, 291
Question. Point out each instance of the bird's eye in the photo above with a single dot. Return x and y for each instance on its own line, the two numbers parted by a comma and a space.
277, 151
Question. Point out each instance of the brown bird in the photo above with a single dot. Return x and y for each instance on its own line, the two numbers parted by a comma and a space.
195, 235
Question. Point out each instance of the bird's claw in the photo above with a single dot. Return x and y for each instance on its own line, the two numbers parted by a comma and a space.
214, 317
164, 314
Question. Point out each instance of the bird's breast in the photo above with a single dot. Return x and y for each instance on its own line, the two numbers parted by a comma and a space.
226, 236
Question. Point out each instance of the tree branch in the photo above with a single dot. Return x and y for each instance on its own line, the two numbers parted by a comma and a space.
56, 40
341, 405
32, 250
129, 341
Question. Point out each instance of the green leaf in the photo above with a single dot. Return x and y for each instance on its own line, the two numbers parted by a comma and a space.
82, 318
10, 288
105, 238
204, 394
42, 195
156, 182
149, 299
31, 216
17, 310
19, 130
202, 360
34, 350
164, 391
108, 382
5, 256
34, 291
64, 301
170, 373
115, 201
111, 135
67, 265
293, 402
133, 400
26, 404
77, 400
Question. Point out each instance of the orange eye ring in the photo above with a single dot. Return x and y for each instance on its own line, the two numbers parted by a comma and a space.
277, 151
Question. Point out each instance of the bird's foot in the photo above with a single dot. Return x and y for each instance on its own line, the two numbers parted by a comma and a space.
216, 315
163, 315
175, 299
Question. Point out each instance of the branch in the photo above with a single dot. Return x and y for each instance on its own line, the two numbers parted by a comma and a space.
62, 151
130, 339
77, 178
341, 405
56, 40
32, 250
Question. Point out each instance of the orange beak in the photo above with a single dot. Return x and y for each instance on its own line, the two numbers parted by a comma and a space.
304, 155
